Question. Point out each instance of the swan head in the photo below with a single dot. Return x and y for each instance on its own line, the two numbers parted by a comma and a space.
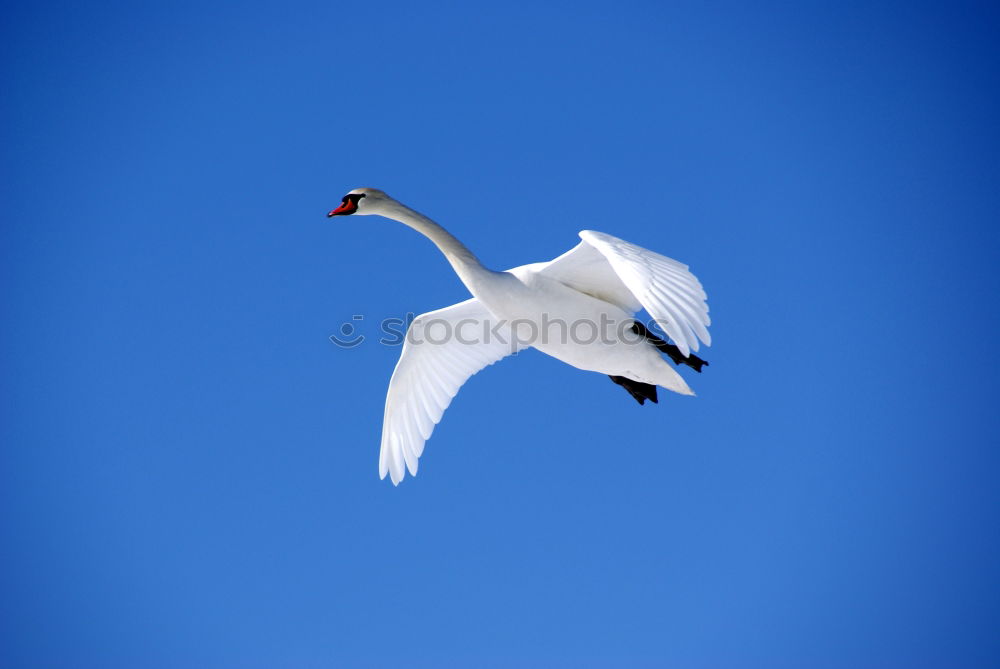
361, 201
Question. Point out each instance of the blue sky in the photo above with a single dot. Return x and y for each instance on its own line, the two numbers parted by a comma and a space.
189, 466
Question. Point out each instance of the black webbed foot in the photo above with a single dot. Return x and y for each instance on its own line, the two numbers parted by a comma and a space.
674, 353
637, 389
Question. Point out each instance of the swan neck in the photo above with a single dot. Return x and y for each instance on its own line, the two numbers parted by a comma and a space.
464, 261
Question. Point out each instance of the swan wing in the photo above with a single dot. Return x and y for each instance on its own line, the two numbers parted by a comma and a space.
442, 350
632, 277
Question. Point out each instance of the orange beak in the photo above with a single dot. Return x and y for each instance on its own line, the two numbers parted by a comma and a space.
348, 207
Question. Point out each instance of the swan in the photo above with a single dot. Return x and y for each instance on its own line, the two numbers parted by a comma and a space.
599, 284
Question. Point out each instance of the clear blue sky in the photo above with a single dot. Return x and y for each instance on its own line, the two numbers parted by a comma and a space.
188, 473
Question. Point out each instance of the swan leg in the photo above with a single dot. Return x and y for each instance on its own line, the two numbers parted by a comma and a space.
637, 389
674, 353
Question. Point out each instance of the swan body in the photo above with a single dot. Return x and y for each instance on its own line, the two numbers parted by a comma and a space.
576, 308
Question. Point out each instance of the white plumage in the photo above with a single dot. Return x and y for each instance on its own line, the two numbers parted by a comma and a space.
602, 279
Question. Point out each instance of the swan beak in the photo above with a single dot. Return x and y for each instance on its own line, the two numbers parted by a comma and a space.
349, 207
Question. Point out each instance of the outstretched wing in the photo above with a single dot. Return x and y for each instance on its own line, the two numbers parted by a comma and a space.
631, 277
442, 350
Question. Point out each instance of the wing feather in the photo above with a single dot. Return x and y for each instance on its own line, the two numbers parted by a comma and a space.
428, 375
632, 277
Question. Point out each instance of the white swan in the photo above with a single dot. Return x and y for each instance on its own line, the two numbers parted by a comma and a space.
556, 307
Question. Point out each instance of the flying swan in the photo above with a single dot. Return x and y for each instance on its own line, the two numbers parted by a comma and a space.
601, 283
